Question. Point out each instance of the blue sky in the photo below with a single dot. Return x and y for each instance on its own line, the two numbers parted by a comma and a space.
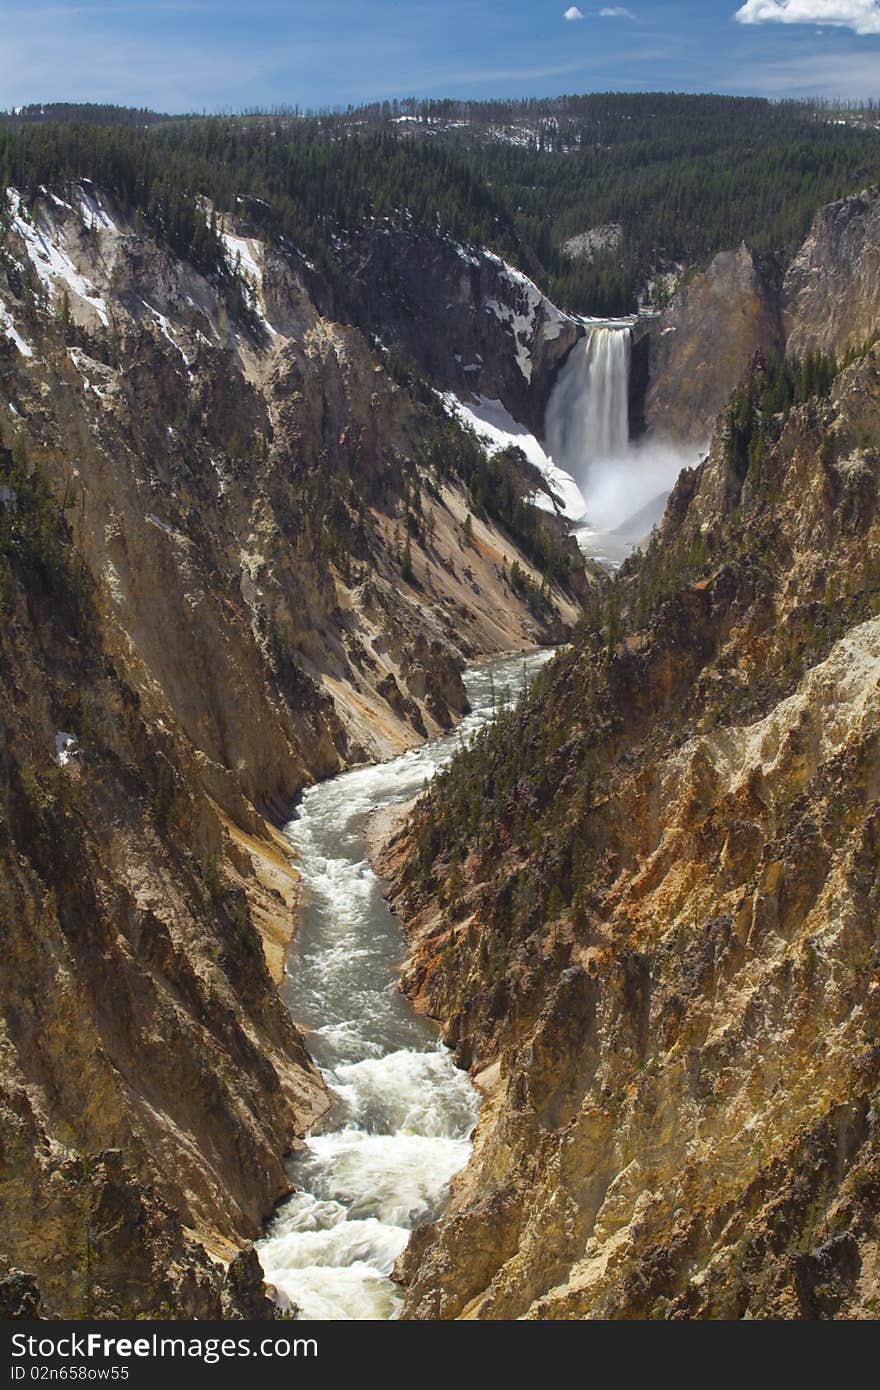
212, 54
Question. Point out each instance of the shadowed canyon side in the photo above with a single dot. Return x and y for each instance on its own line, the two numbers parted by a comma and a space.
237, 555
645, 906
475, 324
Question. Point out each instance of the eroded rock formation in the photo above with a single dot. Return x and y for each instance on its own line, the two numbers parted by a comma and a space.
831, 293
646, 911
474, 324
228, 568
701, 345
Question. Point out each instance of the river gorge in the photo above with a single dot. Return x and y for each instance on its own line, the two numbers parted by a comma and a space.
381, 1160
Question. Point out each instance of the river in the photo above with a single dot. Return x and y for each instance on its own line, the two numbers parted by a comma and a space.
381, 1160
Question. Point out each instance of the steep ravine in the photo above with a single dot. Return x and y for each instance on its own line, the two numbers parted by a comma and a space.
241, 552
229, 568
646, 909
380, 1161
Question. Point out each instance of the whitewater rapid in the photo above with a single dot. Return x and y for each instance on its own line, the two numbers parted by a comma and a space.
382, 1159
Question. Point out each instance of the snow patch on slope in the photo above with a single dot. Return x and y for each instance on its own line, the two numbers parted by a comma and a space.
165, 328
498, 430
553, 318
522, 327
97, 377
94, 216
528, 313
240, 248
243, 253
9, 328
47, 250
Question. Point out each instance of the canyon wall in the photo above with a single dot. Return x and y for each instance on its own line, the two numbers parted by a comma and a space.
645, 910
700, 346
831, 292
236, 557
474, 324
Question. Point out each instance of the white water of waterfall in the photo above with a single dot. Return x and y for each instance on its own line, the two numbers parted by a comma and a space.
382, 1159
587, 416
624, 485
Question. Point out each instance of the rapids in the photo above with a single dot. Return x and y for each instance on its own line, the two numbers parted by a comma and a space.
382, 1159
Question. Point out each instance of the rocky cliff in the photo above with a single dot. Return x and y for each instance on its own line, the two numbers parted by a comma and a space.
474, 324
831, 294
700, 345
693, 354
659, 952
237, 555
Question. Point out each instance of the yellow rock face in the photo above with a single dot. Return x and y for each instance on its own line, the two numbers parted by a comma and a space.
204, 610
686, 1123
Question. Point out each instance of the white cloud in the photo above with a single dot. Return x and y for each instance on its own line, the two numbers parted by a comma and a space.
573, 13
616, 12
862, 16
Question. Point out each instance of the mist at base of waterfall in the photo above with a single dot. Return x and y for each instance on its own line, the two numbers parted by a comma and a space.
625, 497
624, 484
619, 488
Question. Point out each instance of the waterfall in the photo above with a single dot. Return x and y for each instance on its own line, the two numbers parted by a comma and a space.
587, 415
624, 485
